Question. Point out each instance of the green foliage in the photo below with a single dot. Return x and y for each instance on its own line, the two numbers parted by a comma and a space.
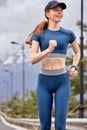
73, 103
84, 60
78, 23
15, 105
31, 105
18, 108
85, 46
85, 102
75, 85
68, 61
73, 106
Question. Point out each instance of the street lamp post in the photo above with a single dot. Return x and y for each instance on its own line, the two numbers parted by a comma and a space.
23, 75
81, 107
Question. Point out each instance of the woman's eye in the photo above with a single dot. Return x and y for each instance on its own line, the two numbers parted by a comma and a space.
56, 10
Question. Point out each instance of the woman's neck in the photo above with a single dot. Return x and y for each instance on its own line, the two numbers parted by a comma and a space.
53, 26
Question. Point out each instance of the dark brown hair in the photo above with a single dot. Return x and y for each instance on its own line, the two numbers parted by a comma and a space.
39, 29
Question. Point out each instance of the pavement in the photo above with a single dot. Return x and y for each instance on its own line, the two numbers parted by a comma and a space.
6, 126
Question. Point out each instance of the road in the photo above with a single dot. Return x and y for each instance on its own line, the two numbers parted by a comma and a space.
5, 127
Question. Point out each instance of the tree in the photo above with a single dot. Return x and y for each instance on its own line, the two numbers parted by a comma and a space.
78, 23
31, 105
15, 105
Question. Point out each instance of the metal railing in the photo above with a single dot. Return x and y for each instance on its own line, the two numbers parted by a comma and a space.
33, 124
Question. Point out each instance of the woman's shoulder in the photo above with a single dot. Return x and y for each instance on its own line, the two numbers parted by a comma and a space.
68, 31
70, 34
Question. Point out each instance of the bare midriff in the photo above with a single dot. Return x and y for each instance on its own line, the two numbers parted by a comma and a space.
53, 63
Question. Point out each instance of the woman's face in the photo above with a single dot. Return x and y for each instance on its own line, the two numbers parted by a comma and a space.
55, 14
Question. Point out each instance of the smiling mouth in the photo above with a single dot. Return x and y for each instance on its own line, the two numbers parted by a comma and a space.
58, 17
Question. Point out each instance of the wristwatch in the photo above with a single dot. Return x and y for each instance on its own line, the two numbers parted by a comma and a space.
73, 66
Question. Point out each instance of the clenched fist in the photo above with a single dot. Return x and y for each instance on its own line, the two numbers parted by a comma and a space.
52, 45
73, 72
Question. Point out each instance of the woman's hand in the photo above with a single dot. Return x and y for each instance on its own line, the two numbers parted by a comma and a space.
52, 45
73, 73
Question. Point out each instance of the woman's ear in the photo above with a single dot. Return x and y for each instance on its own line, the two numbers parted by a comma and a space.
47, 14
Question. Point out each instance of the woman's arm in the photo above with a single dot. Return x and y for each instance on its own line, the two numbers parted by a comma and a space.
35, 56
76, 59
76, 50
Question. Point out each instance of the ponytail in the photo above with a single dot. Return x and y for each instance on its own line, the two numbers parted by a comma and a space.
38, 29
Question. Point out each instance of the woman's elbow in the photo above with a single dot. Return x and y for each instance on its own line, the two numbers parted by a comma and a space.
32, 60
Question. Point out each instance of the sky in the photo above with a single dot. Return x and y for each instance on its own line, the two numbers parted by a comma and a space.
19, 17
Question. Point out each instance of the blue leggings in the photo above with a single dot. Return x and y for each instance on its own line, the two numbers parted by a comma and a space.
46, 86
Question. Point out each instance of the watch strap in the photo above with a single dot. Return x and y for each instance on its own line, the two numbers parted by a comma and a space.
73, 66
